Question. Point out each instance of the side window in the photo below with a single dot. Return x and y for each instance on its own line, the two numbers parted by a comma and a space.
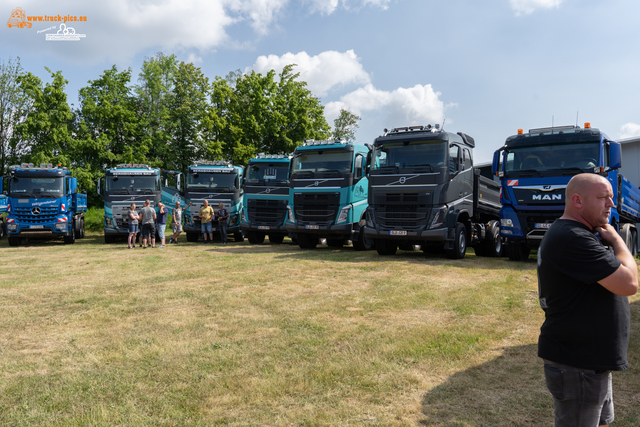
454, 151
358, 172
467, 159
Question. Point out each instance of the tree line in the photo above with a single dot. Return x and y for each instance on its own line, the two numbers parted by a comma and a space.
172, 116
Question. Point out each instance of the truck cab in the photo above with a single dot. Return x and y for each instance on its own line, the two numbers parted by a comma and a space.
328, 193
534, 169
44, 203
217, 182
266, 195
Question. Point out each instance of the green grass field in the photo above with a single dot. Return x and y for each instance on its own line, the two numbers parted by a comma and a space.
271, 335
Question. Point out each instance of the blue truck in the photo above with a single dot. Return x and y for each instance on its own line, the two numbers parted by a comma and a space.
43, 204
217, 182
266, 195
328, 194
424, 190
129, 183
3, 209
535, 168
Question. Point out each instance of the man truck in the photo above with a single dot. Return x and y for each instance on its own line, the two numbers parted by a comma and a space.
328, 193
535, 168
3, 209
43, 203
266, 194
217, 182
130, 183
424, 190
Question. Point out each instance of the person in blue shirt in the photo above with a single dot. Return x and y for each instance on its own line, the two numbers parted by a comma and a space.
162, 222
223, 216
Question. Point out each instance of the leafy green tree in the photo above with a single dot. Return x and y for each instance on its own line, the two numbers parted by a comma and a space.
13, 103
45, 132
345, 125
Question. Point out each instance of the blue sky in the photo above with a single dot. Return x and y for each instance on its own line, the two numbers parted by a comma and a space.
485, 68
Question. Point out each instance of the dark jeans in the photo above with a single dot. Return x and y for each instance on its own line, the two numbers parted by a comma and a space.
223, 231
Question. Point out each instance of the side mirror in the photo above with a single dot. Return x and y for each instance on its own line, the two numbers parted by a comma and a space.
615, 155
496, 162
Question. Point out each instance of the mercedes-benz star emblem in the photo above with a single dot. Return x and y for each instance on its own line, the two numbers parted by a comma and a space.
36, 211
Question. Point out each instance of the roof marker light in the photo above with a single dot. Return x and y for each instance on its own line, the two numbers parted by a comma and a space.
587, 125
520, 132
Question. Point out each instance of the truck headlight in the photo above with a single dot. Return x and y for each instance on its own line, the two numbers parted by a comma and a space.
344, 214
61, 226
290, 214
233, 219
108, 221
438, 217
12, 226
506, 222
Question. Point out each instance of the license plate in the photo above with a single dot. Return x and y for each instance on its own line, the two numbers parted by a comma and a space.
264, 227
36, 226
543, 225
312, 227
398, 232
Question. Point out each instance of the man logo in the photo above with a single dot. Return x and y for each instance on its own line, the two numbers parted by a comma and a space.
36, 211
546, 187
547, 197
403, 180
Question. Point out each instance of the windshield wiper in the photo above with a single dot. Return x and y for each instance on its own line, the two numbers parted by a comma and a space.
121, 191
41, 194
418, 166
394, 167
568, 171
145, 191
528, 171
30, 195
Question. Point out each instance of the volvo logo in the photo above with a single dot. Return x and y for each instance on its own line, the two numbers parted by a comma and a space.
316, 183
36, 211
403, 180
268, 190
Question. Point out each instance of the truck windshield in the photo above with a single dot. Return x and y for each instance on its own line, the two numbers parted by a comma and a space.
204, 182
132, 184
410, 154
268, 173
337, 162
544, 159
36, 186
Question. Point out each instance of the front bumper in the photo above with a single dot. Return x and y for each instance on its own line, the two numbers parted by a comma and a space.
325, 230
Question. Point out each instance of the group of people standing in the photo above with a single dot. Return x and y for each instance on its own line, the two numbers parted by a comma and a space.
145, 220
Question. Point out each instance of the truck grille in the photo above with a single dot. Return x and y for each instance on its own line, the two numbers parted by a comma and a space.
401, 210
266, 212
316, 208
26, 215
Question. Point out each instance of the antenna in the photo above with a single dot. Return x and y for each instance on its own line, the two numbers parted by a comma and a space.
577, 112
552, 121
442, 128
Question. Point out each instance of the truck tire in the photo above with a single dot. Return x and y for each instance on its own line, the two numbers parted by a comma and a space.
108, 238
626, 232
2, 229
517, 252
335, 243
71, 238
14, 241
307, 241
386, 247
192, 237
361, 243
255, 238
276, 239
459, 243
493, 247
239, 237
82, 229
634, 242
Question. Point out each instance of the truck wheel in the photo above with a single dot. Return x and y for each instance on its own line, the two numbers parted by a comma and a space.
1, 229
239, 237
255, 238
626, 232
81, 229
71, 238
14, 241
386, 247
108, 238
307, 241
517, 252
459, 243
276, 239
192, 237
493, 247
634, 242
362, 243
335, 243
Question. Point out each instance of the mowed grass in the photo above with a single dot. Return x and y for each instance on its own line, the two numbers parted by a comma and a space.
271, 335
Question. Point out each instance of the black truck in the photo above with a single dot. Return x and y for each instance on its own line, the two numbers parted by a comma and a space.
424, 190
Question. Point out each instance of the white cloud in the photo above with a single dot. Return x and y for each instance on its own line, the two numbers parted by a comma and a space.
261, 13
322, 72
418, 105
327, 7
527, 7
629, 130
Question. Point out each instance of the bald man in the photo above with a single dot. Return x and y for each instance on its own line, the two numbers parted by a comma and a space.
583, 290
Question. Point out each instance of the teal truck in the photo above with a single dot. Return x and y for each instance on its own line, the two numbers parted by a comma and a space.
43, 203
217, 182
328, 193
131, 183
266, 195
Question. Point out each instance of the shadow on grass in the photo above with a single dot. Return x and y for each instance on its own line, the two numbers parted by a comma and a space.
510, 390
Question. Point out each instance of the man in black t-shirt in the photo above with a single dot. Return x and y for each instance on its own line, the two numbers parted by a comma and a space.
583, 290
